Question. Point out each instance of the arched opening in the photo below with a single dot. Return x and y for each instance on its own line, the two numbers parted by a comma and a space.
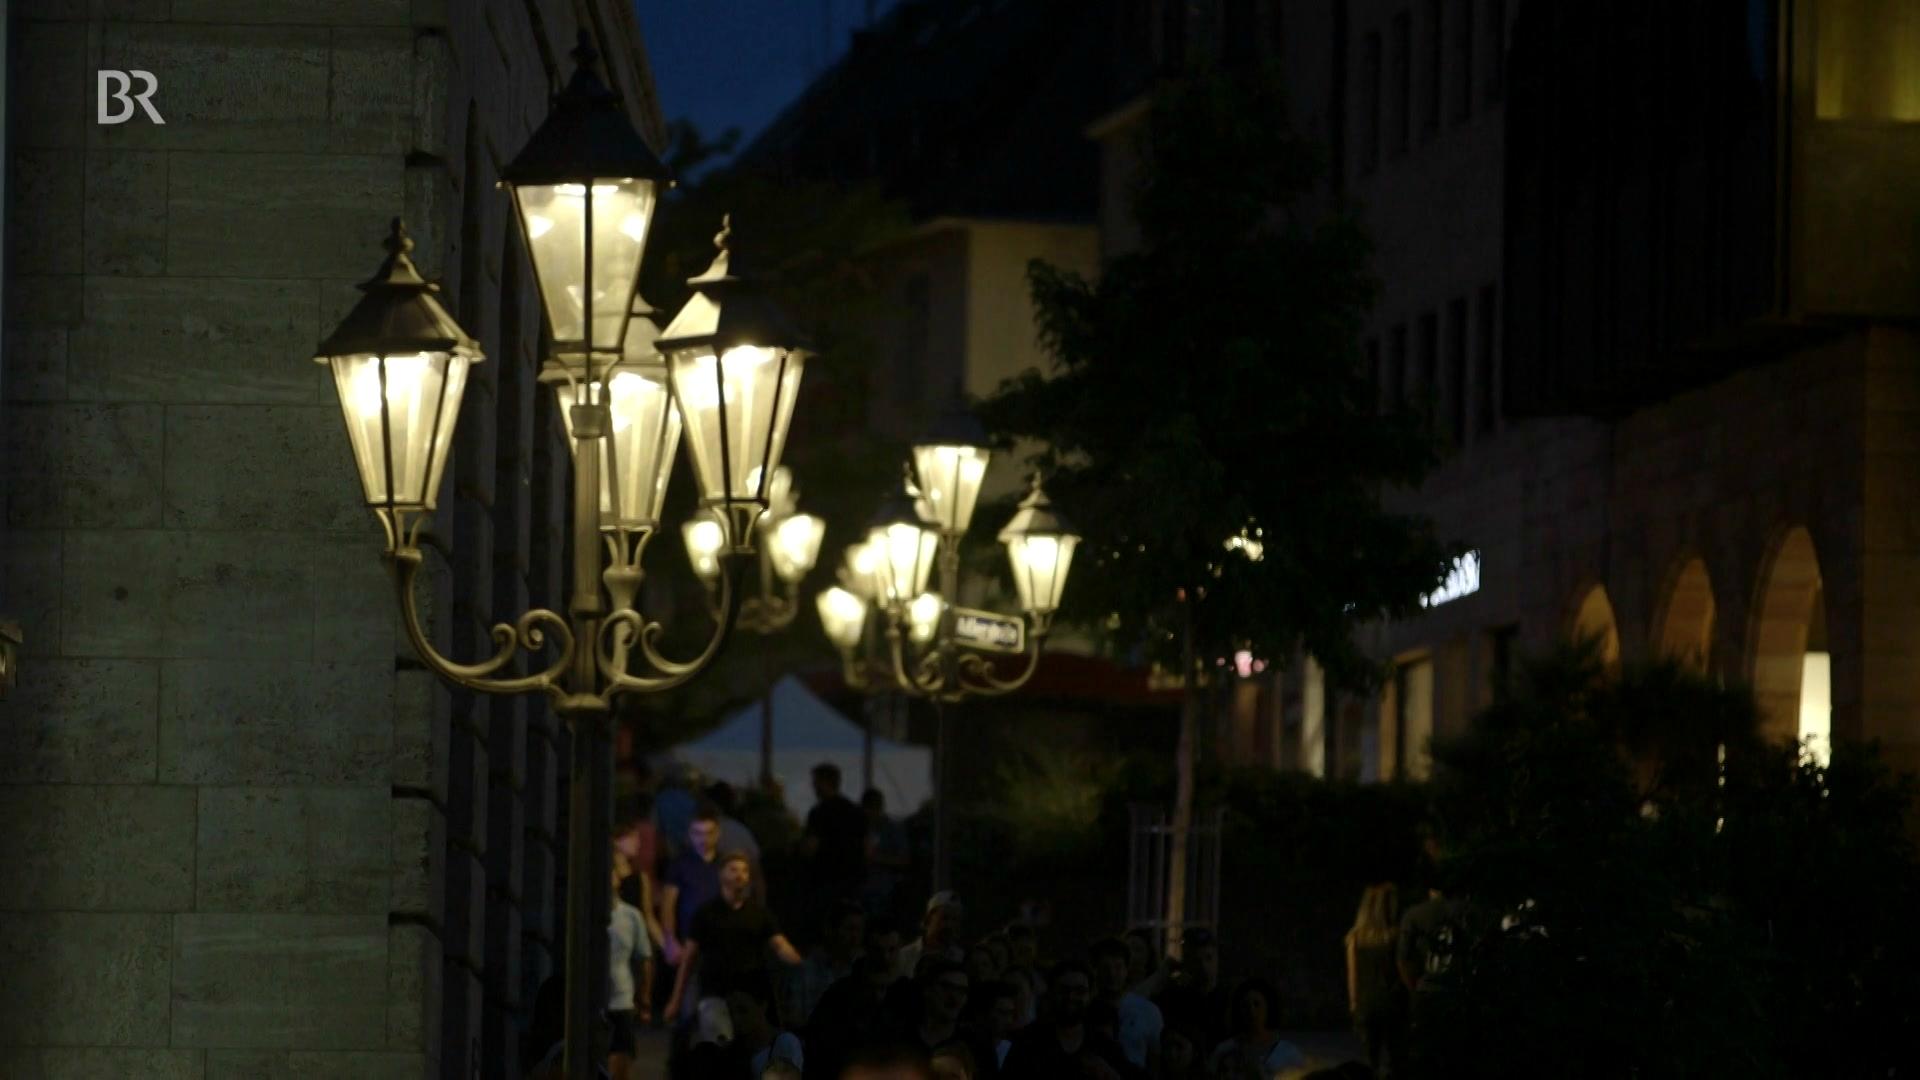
1791, 667
1685, 634
1593, 621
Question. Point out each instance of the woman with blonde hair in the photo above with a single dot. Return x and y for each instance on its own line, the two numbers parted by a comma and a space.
1375, 995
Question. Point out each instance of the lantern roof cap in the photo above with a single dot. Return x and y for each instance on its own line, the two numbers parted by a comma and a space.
585, 136
955, 426
399, 312
731, 306
1036, 517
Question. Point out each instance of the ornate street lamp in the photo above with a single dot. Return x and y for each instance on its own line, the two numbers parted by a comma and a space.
933, 649
584, 189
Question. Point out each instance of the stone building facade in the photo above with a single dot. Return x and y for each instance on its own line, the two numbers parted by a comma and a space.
244, 833
1649, 268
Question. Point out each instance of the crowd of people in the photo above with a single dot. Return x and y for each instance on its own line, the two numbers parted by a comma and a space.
878, 997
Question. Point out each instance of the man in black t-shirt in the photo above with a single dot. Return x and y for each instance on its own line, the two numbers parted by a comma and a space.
729, 939
836, 839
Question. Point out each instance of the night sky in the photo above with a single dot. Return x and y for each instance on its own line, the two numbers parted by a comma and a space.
737, 63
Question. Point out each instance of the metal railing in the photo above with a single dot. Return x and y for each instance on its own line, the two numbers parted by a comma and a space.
1150, 888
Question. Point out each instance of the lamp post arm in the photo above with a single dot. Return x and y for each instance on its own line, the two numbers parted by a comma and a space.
925, 680
976, 675
524, 633
637, 633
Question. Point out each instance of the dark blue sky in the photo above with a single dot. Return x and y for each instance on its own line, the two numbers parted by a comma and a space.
737, 63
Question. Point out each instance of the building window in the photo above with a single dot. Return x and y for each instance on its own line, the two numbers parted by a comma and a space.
1412, 719
1457, 389
1495, 77
1461, 69
1313, 718
1864, 65
1428, 362
1397, 388
1400, 84
1487, 375
1370, 104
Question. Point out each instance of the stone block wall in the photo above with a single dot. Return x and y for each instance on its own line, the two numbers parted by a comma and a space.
247, 835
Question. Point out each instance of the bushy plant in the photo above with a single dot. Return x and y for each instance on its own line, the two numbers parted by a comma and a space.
1657, 892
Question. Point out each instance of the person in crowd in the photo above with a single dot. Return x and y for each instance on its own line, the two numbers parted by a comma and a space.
710, 1055
630, 974
674, 805
852, 1014
828, 963
1195, 995
1139, 1020
1147, 967
729, 940
980, 965
1052, 1046
1433, 937
1023, 968
734, 834
889, 854
1253, 1017
692, 879
757, 1040
995, 1016
637, 838
996, 945
887, 1061
1376, 996
781, 1069
942, 932
1181, 1054
954, 1062
835, 842
944, 989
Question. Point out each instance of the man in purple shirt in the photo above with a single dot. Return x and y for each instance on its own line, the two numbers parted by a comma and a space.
692, 879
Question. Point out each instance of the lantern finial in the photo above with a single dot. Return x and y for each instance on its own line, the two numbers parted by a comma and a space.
724, 237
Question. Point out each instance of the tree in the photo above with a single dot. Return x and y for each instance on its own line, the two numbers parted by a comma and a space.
1660, 893
1210, 386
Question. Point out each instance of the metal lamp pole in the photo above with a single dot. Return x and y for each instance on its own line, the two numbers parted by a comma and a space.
584, 189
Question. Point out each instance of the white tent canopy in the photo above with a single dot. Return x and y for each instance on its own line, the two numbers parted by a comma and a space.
806, 732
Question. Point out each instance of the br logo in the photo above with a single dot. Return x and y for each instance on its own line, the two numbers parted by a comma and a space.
115, 105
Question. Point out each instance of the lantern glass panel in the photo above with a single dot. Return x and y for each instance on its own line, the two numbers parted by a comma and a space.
795, 545
737, 407
400, 412
861, 569
1040, 564
636, 457
905, 559
705, 537
950, 478
553, 218
923, 617
842, 615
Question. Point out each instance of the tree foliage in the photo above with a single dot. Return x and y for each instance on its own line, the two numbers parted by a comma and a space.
1211, 383
1660, 893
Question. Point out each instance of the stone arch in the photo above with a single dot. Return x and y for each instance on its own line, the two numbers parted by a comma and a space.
1592, 620
1684, 632
1787, 650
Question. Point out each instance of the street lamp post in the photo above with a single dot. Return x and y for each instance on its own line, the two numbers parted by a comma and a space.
933, 649
584, 190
